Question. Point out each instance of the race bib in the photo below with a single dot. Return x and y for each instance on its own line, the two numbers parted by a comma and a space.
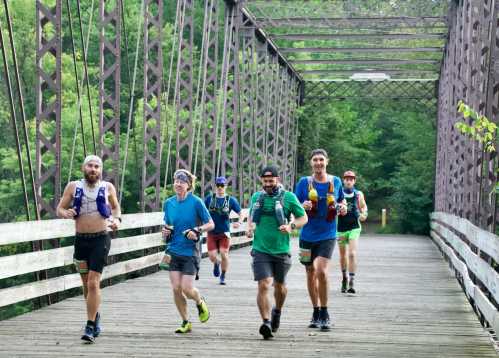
305, 255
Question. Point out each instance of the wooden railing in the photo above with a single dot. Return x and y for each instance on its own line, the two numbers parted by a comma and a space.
473, 254
20, 264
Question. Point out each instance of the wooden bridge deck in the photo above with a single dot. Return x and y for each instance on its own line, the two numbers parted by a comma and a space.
409, 305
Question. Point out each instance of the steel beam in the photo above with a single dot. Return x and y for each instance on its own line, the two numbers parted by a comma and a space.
153, 75
48, 106
184, 86
109, 88
368, 62
360, 36
209, 100
359, 49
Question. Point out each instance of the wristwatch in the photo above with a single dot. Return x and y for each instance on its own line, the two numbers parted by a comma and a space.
293, 226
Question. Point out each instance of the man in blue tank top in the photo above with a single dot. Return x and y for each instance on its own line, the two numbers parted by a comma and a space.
322, 197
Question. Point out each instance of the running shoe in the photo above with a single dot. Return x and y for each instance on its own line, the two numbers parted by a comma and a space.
222, 278
351, 290
98, 327
216, 269
186, 327
266, 330
314, 322
344, 284
204, 313
275, 320
89, 334
324, 321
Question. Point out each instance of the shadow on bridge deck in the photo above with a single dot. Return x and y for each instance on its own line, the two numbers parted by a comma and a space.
409, 305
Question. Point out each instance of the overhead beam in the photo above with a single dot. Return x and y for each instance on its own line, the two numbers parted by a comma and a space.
262, 36
370, 36
354, 22
365, 62
350, 72
358, 49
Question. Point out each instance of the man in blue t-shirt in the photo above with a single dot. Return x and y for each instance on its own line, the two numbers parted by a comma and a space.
220, 206
322, 197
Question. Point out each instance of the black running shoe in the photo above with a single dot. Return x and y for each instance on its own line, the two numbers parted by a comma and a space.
275, 320
88, 335
324, 321
351, 290
344, 284
266, 330
314, 322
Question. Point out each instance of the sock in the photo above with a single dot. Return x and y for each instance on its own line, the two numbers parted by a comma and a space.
185, 322
344, 274
277, 311
323, 312
222, 276
91, 323
352, 276
316, 313
265, 320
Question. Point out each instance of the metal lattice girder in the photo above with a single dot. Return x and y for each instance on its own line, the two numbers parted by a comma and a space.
423, 91
230, 137
184, 90
109, 87
262, 78
48, 106
286, 127
273, 95
247, 168
281, 120
365, 61
333, 23
153, 75
359, 49
209, 100
363, 37
465, 175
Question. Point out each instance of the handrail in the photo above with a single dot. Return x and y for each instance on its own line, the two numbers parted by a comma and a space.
471, 253
19, 264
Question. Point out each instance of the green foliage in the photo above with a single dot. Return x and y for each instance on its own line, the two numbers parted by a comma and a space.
481, 128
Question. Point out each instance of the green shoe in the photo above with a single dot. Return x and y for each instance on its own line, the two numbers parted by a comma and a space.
204, 313
186, 327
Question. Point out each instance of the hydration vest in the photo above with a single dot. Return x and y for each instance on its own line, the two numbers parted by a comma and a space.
355, 210
330, 199
259, 210
102, 204
224, 209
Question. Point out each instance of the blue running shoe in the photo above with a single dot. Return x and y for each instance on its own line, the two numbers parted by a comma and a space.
88, 335
216, 269
98, 328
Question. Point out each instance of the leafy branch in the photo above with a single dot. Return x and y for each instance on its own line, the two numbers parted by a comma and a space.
481, 129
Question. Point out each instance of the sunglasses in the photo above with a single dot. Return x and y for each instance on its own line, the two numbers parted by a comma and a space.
220, 185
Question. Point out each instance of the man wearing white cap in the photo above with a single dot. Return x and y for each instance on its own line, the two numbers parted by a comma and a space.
93, 205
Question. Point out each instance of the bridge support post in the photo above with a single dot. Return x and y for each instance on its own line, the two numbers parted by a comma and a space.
109, 88
48, 106
153, 78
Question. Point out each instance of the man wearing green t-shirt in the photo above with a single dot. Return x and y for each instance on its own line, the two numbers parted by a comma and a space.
270, 222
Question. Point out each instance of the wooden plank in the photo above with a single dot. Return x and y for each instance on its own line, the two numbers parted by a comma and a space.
482, 302
408, 305
25, 231
486, 242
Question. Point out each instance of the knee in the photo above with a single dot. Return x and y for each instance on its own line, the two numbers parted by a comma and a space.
177, 289
93, 285
264, 285
225, 255
212, 255
280, 287
321, 274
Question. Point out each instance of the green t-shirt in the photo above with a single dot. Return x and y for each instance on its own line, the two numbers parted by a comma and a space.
267, 237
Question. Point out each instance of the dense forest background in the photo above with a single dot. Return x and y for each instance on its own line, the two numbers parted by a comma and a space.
390, 144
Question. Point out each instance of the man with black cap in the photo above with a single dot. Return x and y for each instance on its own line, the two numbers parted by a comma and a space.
274, 214
93, 205
220, 206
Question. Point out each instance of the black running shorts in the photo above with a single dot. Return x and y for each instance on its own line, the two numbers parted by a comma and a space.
323, 248
188, 265
266, 265
92, 248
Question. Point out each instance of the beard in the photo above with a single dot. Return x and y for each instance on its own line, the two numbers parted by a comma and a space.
91, 178
270, 189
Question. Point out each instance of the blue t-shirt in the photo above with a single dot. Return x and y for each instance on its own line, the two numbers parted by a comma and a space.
222, 222
183, 215
317, 228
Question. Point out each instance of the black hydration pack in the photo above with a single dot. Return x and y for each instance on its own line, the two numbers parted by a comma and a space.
222, 210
